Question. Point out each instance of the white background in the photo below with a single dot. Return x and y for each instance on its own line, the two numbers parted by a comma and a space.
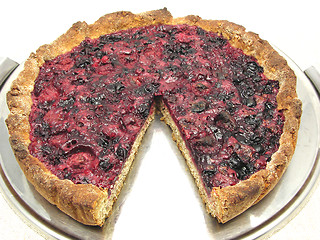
292, 26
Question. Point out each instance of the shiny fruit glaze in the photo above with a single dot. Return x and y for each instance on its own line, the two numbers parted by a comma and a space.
89, 104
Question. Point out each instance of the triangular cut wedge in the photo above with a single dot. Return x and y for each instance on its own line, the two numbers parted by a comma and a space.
80, 108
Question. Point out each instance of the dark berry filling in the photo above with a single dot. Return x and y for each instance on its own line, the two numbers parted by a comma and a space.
90, 104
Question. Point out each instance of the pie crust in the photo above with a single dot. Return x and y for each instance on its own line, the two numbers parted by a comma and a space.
91, 205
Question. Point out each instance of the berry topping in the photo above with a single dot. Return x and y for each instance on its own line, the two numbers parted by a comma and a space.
90, 104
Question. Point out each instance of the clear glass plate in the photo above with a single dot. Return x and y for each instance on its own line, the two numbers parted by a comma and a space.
160, 200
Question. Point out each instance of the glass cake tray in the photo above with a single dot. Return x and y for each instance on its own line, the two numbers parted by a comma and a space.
159, 199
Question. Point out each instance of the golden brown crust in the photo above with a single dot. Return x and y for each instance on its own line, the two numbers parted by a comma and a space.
89, 204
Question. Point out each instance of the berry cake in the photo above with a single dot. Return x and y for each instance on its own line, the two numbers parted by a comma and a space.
82, 104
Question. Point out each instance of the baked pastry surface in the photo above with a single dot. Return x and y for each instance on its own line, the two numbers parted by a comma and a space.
91, 203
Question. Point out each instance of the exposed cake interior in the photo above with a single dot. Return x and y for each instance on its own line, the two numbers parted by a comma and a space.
90, 104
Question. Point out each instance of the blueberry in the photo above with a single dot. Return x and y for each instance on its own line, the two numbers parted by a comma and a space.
256, 139
110, 38
173, 68
252, 69
114, 61
201, 77
85, 51
268, 110
217, 132
225, 96
143, 110
181, 111
42, 130
198, 107
256, 78
221, 75
217, 41
46, 150
274, 140
118, 87
78, 82
37, 89
121, 152
83, 62
46, 105
259, 148
269, 106
251, 119
56, 156
235, 162
173, 51
66, 174
160, 35
241, 139
224, 116
267, 89
204, 159
237, 80
242, 169
95, 100
151, 88
201, 32
250, 102
230, 107
247, 92
105, 165
100, 54
225, 120
84, 180
270, 86
67, 104
104, 141
171, 98
209, 172
86, 48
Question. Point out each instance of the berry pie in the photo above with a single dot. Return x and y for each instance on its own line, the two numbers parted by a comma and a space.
81, 105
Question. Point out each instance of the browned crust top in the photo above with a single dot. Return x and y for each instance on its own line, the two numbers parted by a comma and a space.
82, 201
